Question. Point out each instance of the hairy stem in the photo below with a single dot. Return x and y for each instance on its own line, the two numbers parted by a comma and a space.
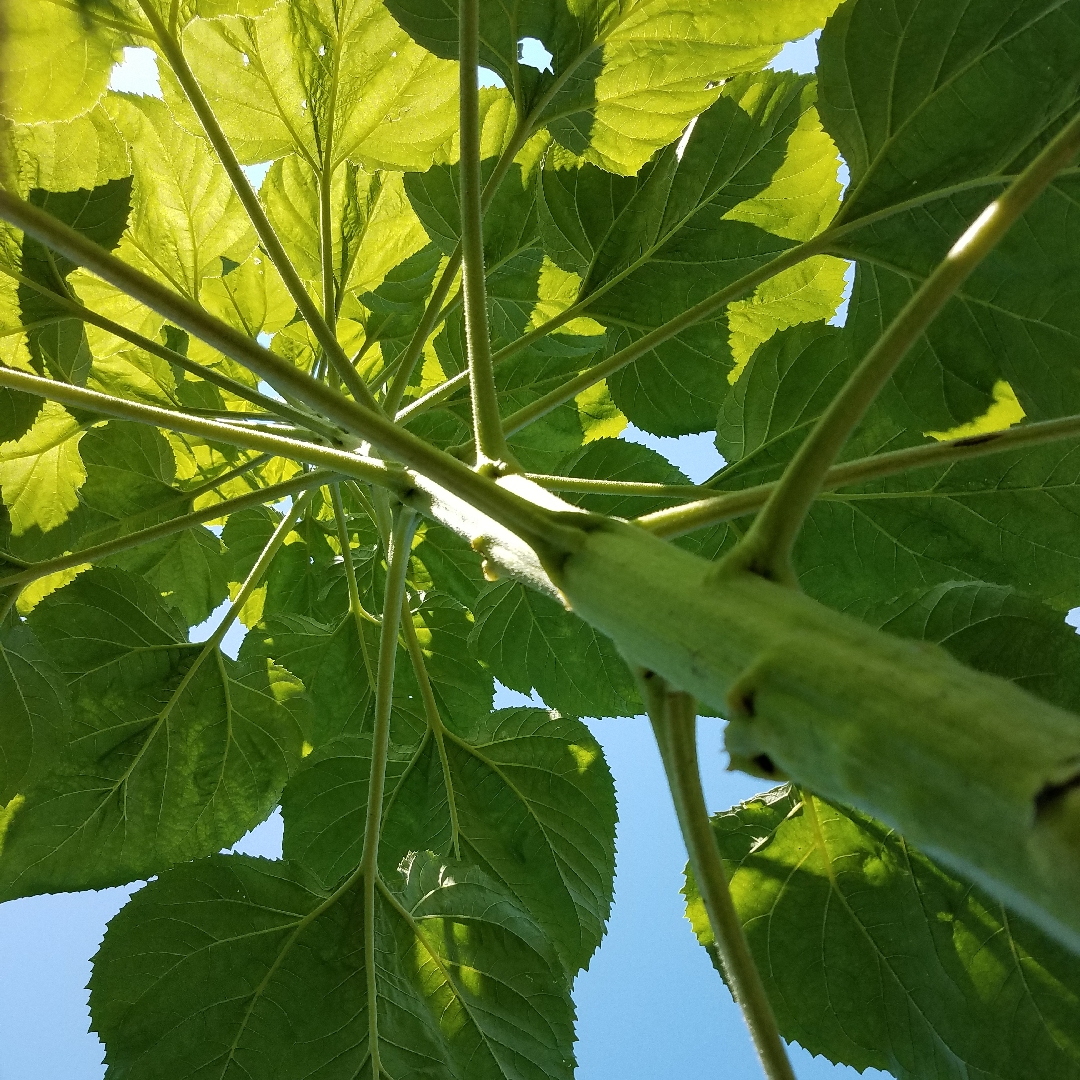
674, 722
262, 496
435, 309
397, 564
369, 469
724, 506
359, 612
487, 426
325, 336
766, 548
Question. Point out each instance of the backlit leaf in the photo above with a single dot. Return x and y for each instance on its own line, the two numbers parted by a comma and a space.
198, 975
874, 956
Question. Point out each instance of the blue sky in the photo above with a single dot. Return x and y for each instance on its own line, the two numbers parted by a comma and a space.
650, 1006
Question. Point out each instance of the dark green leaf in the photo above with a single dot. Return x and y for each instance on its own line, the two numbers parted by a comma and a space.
198, 976
175, 752
534, 808
36, 713
531, 642
874, 956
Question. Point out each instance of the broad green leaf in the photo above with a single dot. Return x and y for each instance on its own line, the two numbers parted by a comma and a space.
198, 976
1010, 518
329, 662
1013, 65
375, 229
999, 325
82, 153
285, 82
36, 710
779, 396
56, 64
186, 570
532, 642
534, 808
59, 343
625, 77
874, 956
251, 296
510, 222
808, 292
991, 628
451, 565
17, 413
175, 752
186, 216
41, 472
391, 312
329, 659
755, 174
130, 472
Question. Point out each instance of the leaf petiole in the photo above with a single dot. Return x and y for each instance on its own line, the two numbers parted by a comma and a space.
673, 716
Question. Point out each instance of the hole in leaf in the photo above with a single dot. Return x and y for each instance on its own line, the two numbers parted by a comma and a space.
532, 53
137, 73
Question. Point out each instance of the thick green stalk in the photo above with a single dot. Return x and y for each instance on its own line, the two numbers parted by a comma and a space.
359, 613
709, 306
299, 483
969, 767
486, 496
325, 336
435, 310
394, 596
369, 469
673, 716
487, 425
766, 548
727, 505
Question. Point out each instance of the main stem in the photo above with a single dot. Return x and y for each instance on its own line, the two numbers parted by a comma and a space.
487, 425
674, 722
397, 563
766, 548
